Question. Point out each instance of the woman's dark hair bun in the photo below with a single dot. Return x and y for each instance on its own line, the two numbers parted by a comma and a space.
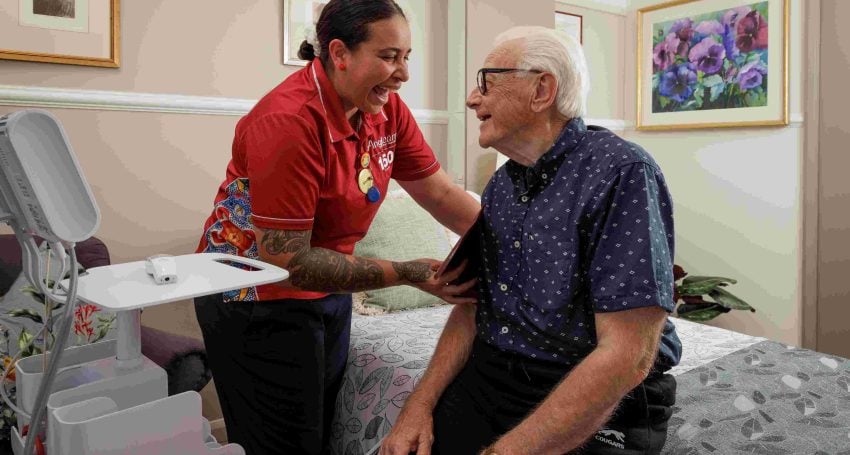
306, 51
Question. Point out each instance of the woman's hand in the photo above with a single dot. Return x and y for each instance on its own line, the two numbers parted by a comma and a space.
421, 273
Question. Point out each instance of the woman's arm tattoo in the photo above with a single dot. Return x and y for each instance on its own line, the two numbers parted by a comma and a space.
320, 269
414, 272
283, 242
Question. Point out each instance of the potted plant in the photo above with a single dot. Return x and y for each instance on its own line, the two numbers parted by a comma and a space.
701, 298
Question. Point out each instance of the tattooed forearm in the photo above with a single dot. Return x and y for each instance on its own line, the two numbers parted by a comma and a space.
276, 242
323, 270
414, 272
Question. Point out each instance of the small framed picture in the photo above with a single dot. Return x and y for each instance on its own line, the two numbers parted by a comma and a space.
569, 23
74, 32
299, 16
712, 63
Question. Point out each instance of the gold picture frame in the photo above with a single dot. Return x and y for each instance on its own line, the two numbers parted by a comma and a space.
71, 32
712, 64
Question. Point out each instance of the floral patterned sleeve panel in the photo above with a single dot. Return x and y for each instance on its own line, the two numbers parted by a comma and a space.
389, 354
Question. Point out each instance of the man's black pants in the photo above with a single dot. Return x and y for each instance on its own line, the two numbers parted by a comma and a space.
277, 367
496, 390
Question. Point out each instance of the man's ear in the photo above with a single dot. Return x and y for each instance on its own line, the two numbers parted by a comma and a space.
338, 52
545, 92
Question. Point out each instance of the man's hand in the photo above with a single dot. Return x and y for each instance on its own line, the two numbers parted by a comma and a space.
412, 432
420, 273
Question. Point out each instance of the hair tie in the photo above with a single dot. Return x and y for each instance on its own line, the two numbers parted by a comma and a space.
313, 40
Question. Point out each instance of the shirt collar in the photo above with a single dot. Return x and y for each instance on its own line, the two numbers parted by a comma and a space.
528, 177
338, 125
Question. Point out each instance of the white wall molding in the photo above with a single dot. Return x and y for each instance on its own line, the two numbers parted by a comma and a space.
151, 102
619, 7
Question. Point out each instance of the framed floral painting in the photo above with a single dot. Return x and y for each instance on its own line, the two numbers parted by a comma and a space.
712, 63
74, 32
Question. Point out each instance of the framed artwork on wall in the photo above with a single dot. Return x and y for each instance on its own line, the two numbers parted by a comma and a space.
712, 63
74, 32
569, 23
299, 16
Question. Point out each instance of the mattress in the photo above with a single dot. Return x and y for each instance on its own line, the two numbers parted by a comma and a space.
389, 354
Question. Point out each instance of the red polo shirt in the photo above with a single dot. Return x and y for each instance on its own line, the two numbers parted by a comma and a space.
294, 167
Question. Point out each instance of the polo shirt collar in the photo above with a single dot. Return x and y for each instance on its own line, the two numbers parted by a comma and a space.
338, 125
529, 177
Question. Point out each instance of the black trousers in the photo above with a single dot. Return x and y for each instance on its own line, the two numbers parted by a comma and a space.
496, 390
277, 367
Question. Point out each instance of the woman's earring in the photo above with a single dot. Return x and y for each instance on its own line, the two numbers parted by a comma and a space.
341, 66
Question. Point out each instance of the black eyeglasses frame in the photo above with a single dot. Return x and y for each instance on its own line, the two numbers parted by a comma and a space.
481, 77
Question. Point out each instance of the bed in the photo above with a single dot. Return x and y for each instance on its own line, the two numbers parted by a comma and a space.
737, 393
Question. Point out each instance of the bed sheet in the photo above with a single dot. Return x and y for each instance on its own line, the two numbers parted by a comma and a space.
389, 354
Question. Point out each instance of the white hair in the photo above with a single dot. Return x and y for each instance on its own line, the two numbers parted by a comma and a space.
555, 52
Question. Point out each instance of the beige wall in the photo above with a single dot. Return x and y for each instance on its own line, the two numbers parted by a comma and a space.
737, 195
603, 48
485, 20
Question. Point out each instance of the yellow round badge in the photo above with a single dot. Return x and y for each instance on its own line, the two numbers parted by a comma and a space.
365, 180
364, 160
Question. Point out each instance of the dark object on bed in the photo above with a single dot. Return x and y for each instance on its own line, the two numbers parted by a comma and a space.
183, 358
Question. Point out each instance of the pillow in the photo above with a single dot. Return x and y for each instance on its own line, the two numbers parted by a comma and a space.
402, 231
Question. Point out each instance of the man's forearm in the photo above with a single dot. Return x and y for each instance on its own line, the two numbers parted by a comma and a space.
577, 407
449, 357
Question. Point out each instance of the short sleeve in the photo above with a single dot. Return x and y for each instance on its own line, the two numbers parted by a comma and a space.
631, 265
414, 158
286, 168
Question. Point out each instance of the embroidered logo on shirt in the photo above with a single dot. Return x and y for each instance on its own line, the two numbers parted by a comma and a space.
607, 436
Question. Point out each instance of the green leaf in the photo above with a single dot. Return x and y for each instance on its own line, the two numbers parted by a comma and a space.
728, 300
25, 313
700, 285
712, 80
702, 315
716, 91
699, 91
663, 101
32, 292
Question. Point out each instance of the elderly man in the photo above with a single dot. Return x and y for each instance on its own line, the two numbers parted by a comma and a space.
568, 346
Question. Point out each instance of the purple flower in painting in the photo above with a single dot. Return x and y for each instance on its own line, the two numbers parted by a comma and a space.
730, 17
677, 83
665, 52
683, 28
752, 32
752, 75
711, 27
708, 56
729, 42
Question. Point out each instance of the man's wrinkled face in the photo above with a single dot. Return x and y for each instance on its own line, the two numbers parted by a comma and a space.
505, 109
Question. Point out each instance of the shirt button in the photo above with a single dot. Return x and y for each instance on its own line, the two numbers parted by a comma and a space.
524, 199
504, 330
516, 244
545, 176
503, 287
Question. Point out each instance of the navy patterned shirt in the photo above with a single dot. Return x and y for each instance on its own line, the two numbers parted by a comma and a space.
588, 228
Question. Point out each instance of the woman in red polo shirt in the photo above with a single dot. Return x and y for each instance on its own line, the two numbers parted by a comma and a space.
310, 166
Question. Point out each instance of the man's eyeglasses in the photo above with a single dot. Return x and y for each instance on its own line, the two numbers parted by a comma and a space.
483, 72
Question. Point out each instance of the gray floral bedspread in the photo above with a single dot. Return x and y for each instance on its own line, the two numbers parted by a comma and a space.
768, 398
389, 354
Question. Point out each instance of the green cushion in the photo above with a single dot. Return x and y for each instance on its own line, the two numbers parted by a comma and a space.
402, 231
